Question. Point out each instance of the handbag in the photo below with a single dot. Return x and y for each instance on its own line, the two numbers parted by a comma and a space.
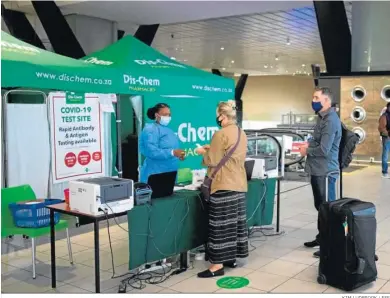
205, 188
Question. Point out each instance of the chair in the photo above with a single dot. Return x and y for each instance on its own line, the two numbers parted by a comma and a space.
21, 194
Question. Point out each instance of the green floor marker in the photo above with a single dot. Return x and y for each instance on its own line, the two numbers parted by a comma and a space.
232, 282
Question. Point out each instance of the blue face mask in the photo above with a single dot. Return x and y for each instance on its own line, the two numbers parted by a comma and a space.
316, 105
165, 120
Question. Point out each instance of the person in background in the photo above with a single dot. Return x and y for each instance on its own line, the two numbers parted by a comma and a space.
323, 151
336, 107
227, 227
159, 144
384, 130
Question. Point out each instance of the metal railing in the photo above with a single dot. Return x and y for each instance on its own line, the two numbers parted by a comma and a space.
268, 142
297, 119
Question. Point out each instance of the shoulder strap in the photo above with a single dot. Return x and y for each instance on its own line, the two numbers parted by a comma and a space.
227, 156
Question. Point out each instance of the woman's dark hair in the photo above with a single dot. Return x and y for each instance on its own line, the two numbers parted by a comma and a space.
152, 111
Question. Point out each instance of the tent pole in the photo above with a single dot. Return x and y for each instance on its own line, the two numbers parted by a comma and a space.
118, 138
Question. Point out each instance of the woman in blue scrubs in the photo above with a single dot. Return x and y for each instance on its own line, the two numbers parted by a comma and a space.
159, 144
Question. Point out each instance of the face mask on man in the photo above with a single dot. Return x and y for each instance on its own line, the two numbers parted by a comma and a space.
317, 106
165, 120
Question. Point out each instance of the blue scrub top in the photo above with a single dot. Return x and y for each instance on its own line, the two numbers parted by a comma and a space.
156, 144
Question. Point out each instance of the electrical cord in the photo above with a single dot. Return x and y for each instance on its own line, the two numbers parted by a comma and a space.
110, 243
116, 220
260, 201
288, 190
140, 279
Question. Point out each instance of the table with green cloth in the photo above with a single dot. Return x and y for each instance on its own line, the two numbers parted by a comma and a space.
176, 224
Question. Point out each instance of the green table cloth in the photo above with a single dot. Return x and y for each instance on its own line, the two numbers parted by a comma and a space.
178, 223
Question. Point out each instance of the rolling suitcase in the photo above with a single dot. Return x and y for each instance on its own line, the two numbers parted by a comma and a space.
347, 243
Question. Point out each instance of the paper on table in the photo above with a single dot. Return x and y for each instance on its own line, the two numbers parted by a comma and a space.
106, 101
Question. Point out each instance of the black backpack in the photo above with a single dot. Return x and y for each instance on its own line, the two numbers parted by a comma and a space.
348, 143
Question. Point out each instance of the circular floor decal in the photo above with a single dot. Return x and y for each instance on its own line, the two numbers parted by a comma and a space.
232, 282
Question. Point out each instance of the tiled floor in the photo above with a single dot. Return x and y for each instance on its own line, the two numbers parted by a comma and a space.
277, 264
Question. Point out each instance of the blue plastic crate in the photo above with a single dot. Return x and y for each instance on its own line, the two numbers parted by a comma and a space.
34, 214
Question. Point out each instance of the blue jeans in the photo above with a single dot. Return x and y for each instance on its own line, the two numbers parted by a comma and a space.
332, 189
385, 155
319, 190
318, 184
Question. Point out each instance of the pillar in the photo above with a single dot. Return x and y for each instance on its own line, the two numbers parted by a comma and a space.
92, 33
370, 36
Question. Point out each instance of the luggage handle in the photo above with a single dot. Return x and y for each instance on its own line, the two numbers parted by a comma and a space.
337, 185
347, 201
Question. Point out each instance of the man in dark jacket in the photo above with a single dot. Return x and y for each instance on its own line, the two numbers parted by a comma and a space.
322, 163
384, 130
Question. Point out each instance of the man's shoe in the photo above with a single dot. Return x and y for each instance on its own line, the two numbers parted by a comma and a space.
311, 244
317, 254
386, 176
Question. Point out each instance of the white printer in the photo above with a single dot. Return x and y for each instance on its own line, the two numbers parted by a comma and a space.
112, 195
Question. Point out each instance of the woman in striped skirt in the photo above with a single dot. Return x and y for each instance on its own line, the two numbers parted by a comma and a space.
228, 235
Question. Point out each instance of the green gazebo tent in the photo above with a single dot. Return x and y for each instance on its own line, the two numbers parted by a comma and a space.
144, 70
191, 93
26, 66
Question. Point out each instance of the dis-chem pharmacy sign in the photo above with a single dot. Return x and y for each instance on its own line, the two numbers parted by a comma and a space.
193, 120
157, 62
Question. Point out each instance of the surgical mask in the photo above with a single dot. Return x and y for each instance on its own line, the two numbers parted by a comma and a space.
165, 120
219, 122
316, 105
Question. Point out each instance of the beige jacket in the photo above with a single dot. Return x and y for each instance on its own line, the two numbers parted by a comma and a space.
232, 175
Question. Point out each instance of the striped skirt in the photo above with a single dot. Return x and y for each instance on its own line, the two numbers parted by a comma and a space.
228, 234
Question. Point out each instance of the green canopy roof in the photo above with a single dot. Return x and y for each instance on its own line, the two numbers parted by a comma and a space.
23, 65
144, 70
125, 67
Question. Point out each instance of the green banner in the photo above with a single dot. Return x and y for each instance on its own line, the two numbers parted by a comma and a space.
125, 67
193, 120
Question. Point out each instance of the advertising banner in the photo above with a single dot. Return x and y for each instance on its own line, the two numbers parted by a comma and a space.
193, 120
76, 136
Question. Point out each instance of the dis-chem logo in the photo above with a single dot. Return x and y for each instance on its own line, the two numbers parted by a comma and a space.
96, 61
158, 62
14, 46
191, 136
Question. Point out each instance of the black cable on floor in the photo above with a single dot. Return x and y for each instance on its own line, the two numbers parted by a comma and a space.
109, 241
295, 188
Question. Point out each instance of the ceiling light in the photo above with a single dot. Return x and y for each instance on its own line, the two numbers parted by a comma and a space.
175, 49
272, 66
286, 71
181, 50
276, 57
365, 52
173, 58
265, 66
185, 60
288, 41
232, 61
303, 65
222, 48
223, 68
